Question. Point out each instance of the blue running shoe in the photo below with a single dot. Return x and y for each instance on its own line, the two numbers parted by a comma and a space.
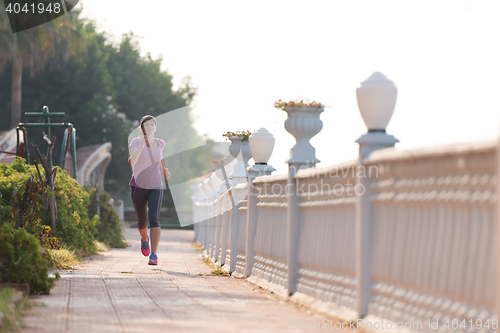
153, 259
145, 247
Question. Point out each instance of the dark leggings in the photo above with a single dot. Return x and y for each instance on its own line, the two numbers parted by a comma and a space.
143, 199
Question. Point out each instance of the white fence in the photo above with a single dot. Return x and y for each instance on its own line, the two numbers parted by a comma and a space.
406, 237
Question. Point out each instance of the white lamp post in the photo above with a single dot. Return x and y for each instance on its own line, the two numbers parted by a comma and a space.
376, 100
261, 145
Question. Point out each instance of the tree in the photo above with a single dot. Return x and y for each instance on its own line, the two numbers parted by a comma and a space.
143, 88
33, 49
104, 95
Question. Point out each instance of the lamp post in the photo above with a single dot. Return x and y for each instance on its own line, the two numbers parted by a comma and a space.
376, 100
261, 145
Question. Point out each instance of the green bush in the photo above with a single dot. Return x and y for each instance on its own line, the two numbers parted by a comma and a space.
73, 228
110, 230
13, 180
73, 224
10, 312
21, 260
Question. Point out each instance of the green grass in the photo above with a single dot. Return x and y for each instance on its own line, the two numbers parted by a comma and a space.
219, 272
197, 246
101, 247
63, 258
11, 311
217, 269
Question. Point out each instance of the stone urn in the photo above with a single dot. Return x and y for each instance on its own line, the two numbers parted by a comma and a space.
376, 100
237, 145
303, 123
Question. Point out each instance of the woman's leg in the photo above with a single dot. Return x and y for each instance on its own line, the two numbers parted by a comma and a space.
140, 200
154, 204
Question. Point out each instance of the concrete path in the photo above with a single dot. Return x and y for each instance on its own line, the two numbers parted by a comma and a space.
117, 291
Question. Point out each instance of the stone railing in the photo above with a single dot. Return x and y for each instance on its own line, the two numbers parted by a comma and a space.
433, 244
393, 239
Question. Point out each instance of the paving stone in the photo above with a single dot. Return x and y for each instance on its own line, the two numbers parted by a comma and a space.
117, 291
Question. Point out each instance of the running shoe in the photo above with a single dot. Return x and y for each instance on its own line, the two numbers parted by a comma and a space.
153, 259
145, 247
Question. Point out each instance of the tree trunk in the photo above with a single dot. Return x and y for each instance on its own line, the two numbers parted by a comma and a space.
17, 78
53, 206
50, 177
45, 200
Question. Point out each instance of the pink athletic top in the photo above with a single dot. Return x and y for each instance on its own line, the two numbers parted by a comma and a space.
146, 172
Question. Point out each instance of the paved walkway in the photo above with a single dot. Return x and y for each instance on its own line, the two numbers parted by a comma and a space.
118, 291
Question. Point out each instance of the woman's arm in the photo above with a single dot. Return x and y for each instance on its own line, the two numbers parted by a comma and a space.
134, 153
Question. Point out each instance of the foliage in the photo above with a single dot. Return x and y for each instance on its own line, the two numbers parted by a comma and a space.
219, 272
21, 260
214, 162
279, 104
48, 43
73, 227
73, 223
104, 95
63, 258
13, 183
110, 230
10, 312
244, 134
31, 215
101, 247
56, 40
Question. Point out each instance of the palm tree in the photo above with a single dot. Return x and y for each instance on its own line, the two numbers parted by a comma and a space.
34, 48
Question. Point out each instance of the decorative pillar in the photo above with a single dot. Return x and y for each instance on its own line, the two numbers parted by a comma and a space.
223, 204
196, 196
261, 146
200, 217
217, 213
204, 212
209, 216
238, 176
303, 123
376, 100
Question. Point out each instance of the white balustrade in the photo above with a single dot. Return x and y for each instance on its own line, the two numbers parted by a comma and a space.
394, 236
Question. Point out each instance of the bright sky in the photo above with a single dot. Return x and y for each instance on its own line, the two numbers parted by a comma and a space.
442, 55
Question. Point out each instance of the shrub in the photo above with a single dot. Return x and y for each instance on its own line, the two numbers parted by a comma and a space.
21, 260
73, 226
110, 230
13, 180
10, 312
61, 258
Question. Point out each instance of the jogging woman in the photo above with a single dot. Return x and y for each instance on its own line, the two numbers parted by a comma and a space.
145, 157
